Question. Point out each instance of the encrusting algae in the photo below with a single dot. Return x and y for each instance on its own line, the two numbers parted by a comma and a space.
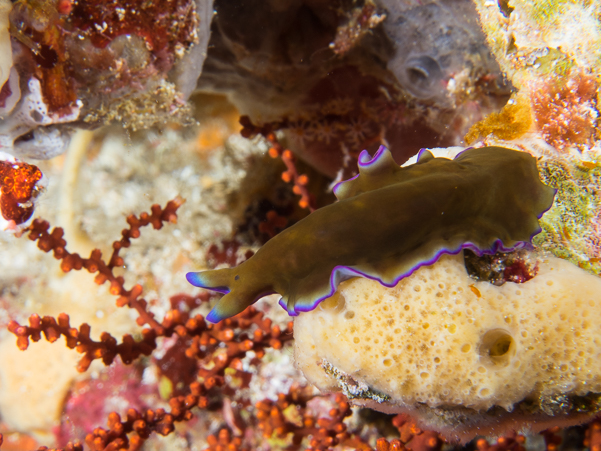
513, 121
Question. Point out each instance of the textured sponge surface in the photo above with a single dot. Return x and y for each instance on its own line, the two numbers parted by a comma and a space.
443, 339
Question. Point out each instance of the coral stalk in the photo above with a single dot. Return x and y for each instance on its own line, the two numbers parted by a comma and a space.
290, 175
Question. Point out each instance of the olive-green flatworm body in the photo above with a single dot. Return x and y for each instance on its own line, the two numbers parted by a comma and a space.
389, 221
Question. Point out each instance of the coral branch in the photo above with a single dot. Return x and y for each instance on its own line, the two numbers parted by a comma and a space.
324, 432
53, 241
512, 442
207, 347
205, 339
106, 349
216, 348
225, 442
394, 445
415, 438
203, 344
290, 175
69, 447
143, 424
592, 437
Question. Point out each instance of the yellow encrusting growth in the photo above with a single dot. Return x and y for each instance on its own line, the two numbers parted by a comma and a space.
511, 122
440, 338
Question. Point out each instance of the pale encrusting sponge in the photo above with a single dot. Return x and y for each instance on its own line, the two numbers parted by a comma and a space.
463, 356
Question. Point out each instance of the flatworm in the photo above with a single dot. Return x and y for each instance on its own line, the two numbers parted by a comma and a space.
388, 222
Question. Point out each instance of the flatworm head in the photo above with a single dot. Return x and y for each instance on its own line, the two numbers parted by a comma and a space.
389, 221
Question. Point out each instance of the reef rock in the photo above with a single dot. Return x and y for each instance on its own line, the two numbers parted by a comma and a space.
463, 357
439, 49
86, 64
340, 77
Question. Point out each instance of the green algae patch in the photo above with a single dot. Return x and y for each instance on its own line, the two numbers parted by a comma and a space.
556, 63
568, 228
544, 11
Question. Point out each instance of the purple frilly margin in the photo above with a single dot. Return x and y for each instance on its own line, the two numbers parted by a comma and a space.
213, 317
341, 273
195, 279
364, 161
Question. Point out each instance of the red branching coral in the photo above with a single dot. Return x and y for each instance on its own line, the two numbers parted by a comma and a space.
18, 187
225, 442
217, 352
394, 445
592, 438
276, 421
90, 400
216, 347
69, 447
415, 438
142, 424
552, 440
107, 348
324, 433
226, 252
206, 347
566, 112
512, 442
273, 223
290, 175
205, 337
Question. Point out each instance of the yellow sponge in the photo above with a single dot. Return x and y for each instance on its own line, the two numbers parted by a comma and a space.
440, 343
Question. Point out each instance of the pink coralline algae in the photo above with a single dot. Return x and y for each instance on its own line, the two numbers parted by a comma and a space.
565, 110
91, 401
